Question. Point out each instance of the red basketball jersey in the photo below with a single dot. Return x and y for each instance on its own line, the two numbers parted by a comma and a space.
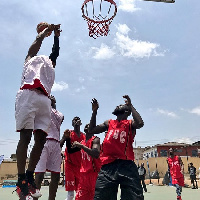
175, 167
74, 158
118, 142
89, 164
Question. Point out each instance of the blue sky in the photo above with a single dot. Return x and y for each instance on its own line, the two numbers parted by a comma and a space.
151, 53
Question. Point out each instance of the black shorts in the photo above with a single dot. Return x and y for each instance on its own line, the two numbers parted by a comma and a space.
119, 172
193, 177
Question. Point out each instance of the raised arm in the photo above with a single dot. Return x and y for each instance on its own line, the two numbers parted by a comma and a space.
55, 49
94, 151
66, 138
35, 47
93, 129
137, 122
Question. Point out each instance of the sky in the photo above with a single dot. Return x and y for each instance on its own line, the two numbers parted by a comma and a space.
151, 54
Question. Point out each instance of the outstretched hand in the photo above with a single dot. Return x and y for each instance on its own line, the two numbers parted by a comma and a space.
57, 30
95, 104
66, 133
127, 100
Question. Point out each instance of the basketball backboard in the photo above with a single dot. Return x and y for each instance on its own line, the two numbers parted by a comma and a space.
165, 1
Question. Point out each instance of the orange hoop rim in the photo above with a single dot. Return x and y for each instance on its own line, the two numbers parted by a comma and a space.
100, 21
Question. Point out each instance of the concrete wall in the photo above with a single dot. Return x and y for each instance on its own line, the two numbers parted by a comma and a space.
162, 164
8, 169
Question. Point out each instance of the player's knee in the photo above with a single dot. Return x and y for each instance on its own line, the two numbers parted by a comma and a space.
55, 177
40, 137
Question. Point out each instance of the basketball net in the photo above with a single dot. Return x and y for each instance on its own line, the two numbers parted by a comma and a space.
98, 25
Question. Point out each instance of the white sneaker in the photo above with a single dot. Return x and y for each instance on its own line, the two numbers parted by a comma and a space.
36, 193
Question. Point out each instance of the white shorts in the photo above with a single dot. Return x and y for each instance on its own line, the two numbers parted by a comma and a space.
50, 159
32, 110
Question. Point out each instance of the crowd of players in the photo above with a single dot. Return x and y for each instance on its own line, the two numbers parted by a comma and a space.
92, 171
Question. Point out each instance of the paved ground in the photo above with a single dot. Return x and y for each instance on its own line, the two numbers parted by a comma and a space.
154, 193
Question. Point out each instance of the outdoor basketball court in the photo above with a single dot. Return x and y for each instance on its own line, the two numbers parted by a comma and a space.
154, 193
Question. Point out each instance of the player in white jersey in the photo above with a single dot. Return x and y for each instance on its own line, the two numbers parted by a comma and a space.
33, 109
50, 159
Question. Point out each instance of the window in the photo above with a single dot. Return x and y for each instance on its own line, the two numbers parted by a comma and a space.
194, 153
163, 153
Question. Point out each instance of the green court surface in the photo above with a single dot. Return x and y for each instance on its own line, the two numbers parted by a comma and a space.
153, 193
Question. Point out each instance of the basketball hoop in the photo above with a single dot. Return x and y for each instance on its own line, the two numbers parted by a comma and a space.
98, 25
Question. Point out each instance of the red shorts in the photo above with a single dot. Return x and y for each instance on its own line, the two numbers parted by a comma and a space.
179, 181
72, 175
86, 187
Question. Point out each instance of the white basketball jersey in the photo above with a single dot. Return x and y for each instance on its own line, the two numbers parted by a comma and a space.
38, 72
56, 121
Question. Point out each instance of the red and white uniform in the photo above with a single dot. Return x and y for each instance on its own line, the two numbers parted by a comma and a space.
88, 173
175, 171
118, 142
38, 72
73, 164
50, 159
33, 107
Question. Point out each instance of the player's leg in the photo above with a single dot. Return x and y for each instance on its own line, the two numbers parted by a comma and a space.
130, 183
178, 191
192, 182
38, 180
25, 137
24, 115
55, 178
42, 122
40, 139
144, 185
69, 180
86, 187
53, 165
106, 185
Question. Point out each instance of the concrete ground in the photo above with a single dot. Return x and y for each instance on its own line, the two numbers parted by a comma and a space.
154, 193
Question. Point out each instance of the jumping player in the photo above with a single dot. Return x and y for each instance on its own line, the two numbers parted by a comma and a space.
33, 109
90, 165
117, 157
50, 159
176, 169
73, 161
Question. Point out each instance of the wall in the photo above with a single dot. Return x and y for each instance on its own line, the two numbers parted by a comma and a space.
8, 170
162, 164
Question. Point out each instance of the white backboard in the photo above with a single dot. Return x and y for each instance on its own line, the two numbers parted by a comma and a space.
165, 1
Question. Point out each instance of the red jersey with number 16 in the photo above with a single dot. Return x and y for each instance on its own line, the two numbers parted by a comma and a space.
89, 164
74, 158
118, 142
175, 167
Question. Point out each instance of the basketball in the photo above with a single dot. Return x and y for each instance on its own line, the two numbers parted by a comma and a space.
41, 26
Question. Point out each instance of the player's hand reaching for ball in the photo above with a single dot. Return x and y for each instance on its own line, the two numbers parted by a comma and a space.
127, 100
95, 104
57, 30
